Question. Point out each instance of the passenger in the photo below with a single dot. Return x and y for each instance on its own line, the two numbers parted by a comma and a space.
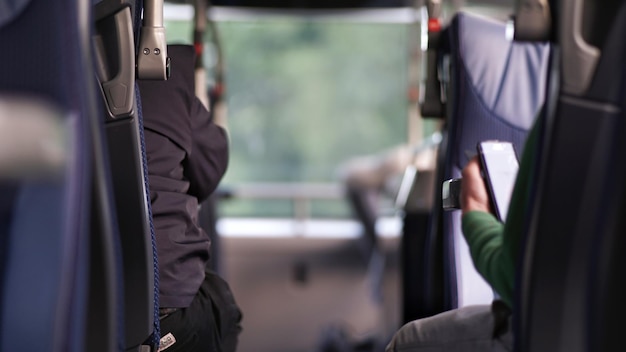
187, 156
494, 248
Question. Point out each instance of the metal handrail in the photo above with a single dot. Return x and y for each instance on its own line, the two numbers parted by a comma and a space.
286, 190
301, 194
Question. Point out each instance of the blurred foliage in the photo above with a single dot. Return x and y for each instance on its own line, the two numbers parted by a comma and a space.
304, 97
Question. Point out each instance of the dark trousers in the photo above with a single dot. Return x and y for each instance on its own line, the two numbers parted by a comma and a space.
210, 324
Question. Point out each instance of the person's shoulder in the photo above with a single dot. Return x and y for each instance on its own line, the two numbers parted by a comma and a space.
185, 55
183, 63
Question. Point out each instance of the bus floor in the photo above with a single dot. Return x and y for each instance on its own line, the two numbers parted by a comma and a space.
296, 292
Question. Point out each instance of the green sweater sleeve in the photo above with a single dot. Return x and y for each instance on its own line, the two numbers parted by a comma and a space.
494, 247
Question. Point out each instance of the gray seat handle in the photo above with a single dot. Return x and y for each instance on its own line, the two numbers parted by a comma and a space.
115, 36
579, 58
32, 138
152, 60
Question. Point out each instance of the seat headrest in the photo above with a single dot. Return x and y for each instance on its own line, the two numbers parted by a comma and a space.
508, 76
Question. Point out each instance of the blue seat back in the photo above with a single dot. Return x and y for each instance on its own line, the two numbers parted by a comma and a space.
494, 89
44, 213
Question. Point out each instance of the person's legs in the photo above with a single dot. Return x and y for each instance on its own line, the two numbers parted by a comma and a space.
209, 324
191, 329
464, 330
227, 313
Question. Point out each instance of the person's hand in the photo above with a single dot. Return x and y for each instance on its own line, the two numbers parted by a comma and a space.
473, 191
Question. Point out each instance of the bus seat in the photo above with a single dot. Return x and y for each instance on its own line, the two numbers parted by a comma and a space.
117, 31
571, 295
494, 89
48, 116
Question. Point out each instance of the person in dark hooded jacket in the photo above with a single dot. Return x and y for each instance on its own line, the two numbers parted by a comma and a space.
187, 156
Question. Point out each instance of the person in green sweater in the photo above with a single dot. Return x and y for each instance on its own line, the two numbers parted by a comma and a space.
494, 248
